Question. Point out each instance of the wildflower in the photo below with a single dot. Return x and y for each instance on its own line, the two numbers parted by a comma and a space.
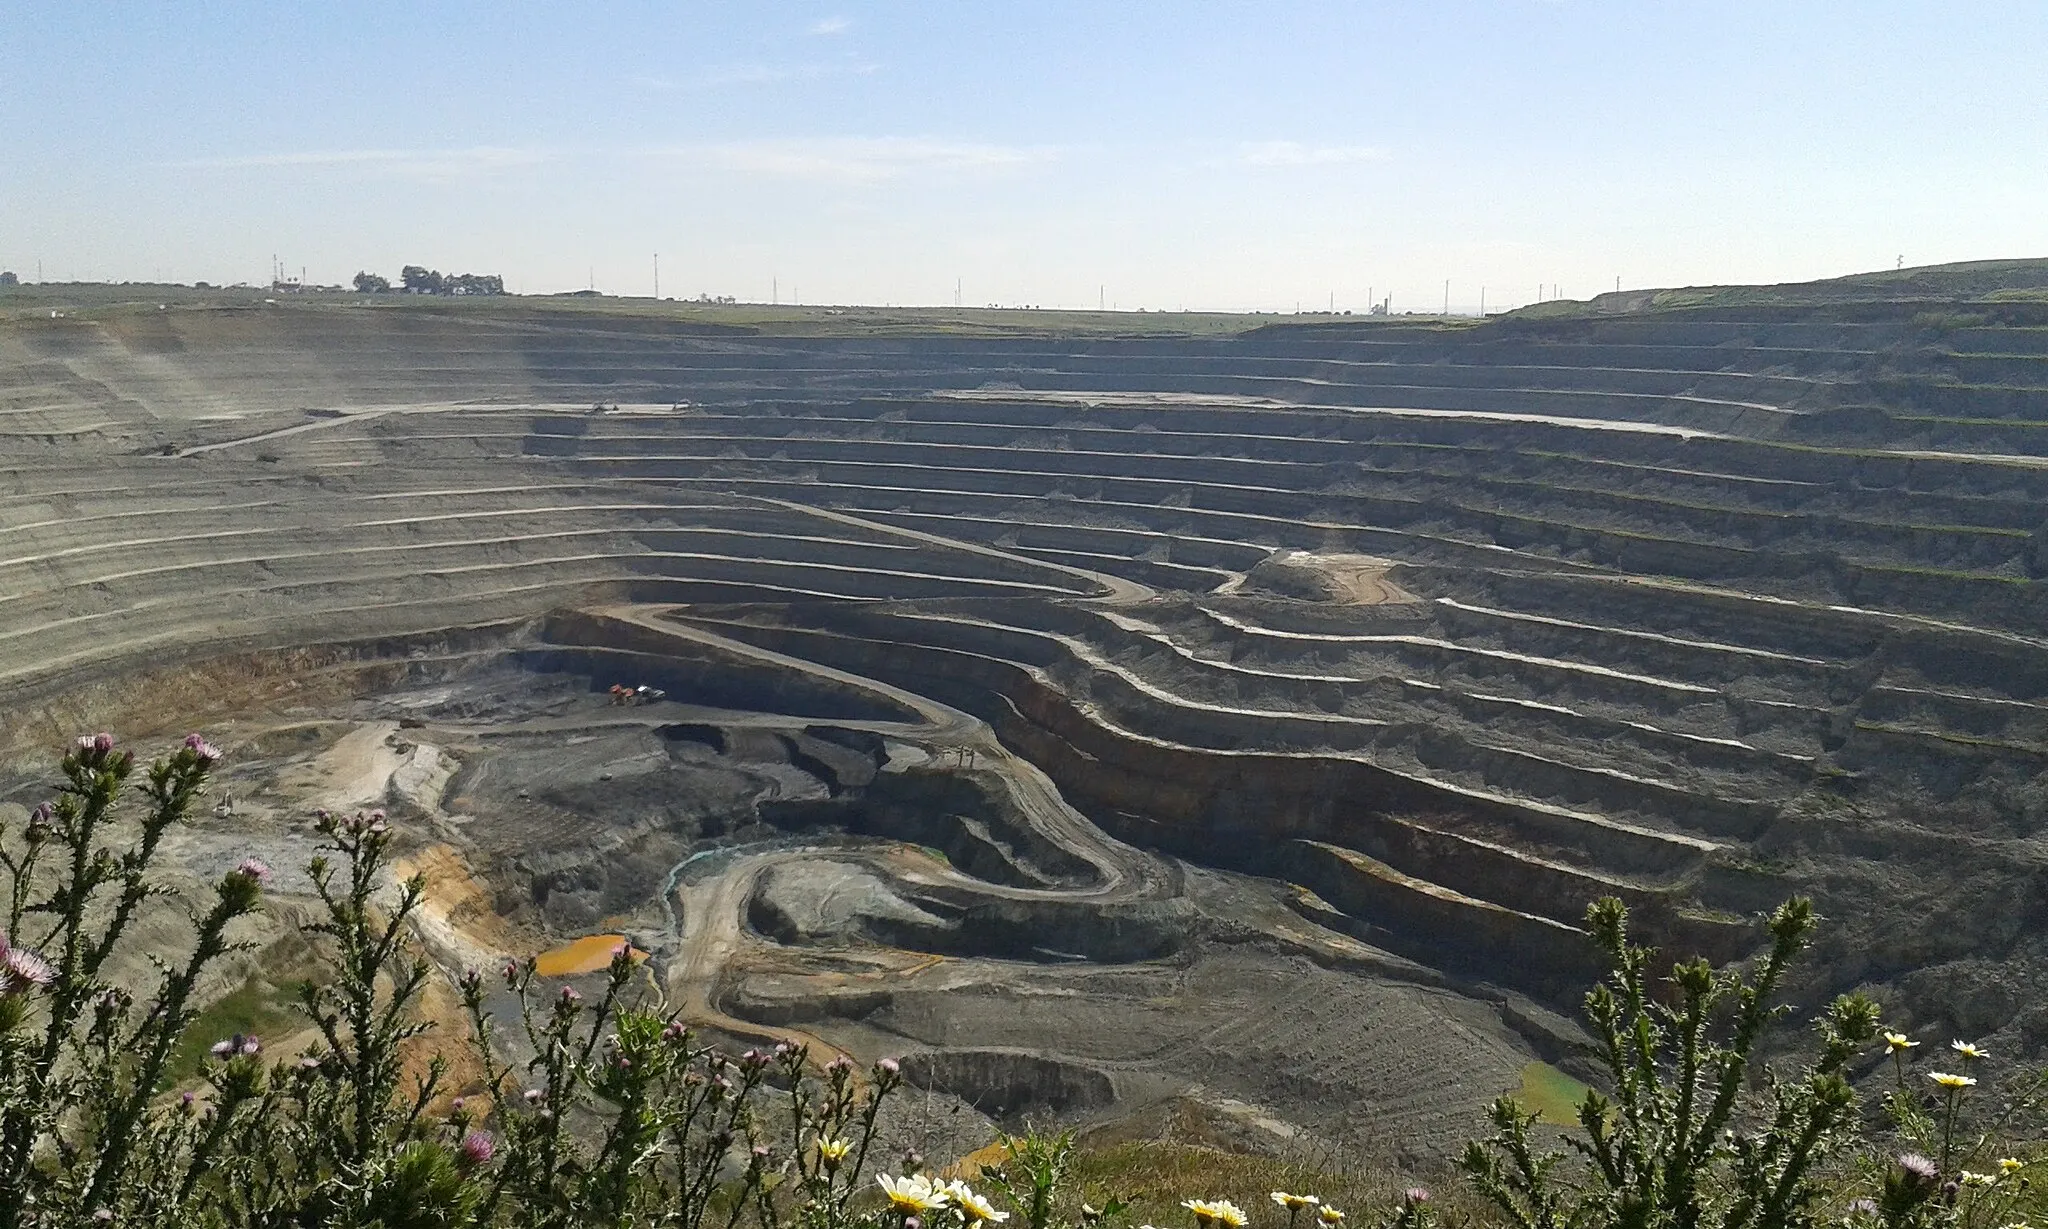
254, 868
511, 972
477, 1149
1090, 1214
1918, 1167
223, 1049
889, 1066
1863, 1207
1952, 1082
21, 970
1210, 1212
833, 1151
534, 1096
974, 1207
1294, 1203
39, 823
1898, 1043
912, 1193
1329, 1215
1415, 1194
1968, 1050
1977, 1179
2011, 1164
569, 996
205, 752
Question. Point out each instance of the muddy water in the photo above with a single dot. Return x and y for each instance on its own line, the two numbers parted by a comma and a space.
586, 955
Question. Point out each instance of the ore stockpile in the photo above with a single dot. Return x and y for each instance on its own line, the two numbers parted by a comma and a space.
1115, 723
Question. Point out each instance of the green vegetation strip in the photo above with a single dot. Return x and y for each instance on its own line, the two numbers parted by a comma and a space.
1553, 1095
256, 1008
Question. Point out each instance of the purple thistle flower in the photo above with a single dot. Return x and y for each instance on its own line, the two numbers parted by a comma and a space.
248, 1046
478, 1148
1863, 1207
224, 1049
534, 1096
207, 754
254, 868
569, 996
1918, 1167
21, 970
889, 1066
1415, 1194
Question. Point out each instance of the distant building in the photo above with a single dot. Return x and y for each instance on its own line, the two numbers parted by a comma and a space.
7, 278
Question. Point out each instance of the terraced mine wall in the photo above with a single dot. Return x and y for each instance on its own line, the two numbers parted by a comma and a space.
1454, 627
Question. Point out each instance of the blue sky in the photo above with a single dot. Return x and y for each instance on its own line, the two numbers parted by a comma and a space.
1167, 155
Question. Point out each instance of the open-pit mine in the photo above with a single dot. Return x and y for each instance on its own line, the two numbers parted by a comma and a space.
1164, 728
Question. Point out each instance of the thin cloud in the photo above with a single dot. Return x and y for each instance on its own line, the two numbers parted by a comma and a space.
428, 164
862, 159
1295, 153
831, 25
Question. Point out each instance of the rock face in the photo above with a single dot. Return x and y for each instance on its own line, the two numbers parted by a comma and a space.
1454, 628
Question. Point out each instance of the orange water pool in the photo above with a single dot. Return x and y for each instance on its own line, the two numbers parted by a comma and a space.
586, 955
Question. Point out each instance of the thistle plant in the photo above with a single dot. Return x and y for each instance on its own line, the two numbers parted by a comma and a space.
1679, 1144
620, 1116
80, 1060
